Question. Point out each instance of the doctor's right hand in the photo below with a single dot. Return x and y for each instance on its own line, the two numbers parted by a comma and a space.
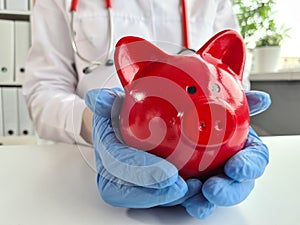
129, 177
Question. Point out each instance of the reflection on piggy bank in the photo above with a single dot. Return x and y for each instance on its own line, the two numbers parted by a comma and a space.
188, 109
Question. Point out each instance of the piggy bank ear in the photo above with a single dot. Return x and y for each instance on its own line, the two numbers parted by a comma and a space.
226, 47
132, 54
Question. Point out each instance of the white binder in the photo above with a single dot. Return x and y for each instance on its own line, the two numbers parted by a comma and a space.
1, 4
1, 114
10, 110
22, 43
17, 5
25, 123
6, 51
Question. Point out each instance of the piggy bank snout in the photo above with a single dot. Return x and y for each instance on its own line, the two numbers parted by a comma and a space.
209, 124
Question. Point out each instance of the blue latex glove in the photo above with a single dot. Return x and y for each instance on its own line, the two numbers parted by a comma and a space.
161, 185
128, 177
240, 171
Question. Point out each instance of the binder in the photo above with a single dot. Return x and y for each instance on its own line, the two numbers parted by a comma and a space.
22, 44
1, 114
1, 4
6, 51
17, 5
10, 111
25, 123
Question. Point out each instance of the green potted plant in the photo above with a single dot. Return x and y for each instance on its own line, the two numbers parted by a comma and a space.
261, 32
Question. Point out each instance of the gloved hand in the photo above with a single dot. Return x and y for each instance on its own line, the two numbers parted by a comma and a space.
155, 180
240, 171
128, 177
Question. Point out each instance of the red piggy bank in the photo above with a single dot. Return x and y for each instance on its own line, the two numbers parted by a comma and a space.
188, 109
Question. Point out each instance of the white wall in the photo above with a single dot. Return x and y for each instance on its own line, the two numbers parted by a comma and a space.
289, 14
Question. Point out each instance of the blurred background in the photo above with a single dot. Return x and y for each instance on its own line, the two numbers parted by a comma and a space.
271, 31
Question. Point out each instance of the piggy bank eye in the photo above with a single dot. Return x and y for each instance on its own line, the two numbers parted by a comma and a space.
191, 89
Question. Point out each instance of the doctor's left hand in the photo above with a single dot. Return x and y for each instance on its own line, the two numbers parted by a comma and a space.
129, 177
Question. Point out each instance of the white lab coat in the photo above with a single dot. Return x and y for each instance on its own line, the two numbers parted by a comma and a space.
55, 84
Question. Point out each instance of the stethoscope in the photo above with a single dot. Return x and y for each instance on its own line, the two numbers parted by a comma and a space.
93, 64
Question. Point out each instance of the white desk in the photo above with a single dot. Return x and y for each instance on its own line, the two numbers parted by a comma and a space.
52, 185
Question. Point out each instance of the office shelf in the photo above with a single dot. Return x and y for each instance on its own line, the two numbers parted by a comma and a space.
15, 15
18, 140
276, 76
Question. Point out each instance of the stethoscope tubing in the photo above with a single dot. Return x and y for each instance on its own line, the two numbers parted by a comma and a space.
93, 63
185, 25
109, 59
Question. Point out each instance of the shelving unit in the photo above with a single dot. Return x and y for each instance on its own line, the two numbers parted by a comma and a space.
282, 118
15, 15
13, 136
279, 76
